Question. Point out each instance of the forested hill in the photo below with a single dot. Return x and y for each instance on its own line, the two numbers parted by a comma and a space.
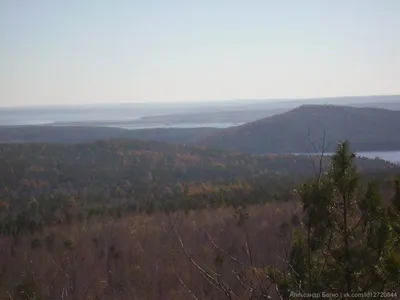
367, 129
142, 171
81, 134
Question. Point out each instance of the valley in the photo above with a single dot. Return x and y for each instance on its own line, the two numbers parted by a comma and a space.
199, 150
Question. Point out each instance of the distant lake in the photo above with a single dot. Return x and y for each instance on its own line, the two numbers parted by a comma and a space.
41, 117
117, 112
391, 156
178, 125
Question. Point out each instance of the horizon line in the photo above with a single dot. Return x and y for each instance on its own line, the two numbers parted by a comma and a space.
272, 100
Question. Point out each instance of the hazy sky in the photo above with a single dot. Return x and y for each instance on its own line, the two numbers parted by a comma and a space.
83, 51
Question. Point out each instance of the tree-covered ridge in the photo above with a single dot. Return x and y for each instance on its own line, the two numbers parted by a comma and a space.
102, 167
85, 134
368, 129
145, 175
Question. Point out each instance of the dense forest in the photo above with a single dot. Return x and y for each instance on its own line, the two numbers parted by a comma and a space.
147, 220
81, 134
146, 174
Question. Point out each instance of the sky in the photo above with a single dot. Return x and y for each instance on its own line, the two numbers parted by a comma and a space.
57, 52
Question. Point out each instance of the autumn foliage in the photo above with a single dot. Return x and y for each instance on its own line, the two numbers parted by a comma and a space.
135, 257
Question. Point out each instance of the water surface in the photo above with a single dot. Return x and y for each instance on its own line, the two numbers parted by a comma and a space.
391, 156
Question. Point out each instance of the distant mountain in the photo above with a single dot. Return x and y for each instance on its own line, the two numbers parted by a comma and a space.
395, 105
207, 113
378, 101
367, 129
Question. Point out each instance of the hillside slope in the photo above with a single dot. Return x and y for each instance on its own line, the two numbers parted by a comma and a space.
367, 129
82, 134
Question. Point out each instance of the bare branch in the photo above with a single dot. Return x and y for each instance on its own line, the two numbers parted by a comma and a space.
249, 253
279, 293
239, 278
186, 287
26, 295
315, 151
171, 250
9, 295
220, 285
227, 254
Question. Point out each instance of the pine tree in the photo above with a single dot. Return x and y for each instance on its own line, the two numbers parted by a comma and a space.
348, 243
